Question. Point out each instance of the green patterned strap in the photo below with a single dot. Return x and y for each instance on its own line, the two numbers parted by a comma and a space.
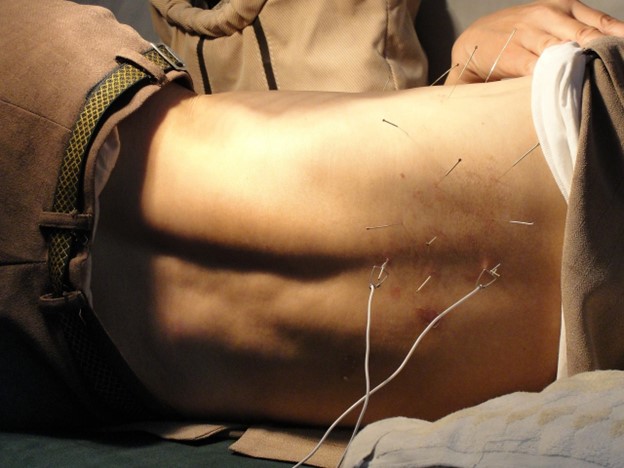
69, 186
114, 391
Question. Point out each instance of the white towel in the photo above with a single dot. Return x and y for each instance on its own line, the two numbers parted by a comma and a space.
556, 104
575, 422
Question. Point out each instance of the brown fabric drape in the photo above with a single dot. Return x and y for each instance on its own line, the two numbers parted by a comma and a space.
593, 254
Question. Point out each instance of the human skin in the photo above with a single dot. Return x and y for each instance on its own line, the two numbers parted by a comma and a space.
535, 26
232, 260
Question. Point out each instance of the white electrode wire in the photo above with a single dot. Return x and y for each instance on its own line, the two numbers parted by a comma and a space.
367, 394
433, 323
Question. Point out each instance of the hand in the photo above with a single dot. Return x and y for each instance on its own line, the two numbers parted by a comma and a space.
537, 26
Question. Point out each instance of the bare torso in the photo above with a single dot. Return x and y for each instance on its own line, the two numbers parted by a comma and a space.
233, 260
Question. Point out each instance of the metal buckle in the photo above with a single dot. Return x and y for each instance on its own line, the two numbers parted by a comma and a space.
171, 58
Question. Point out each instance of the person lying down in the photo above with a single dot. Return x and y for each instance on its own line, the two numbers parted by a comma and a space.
237, 233
241, 266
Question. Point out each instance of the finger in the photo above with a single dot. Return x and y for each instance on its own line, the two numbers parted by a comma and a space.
516, 61
458, 75
567, 28
603, 22
537, 41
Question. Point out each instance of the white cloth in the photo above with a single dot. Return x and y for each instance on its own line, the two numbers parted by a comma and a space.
106, 160
575, 422
556, 104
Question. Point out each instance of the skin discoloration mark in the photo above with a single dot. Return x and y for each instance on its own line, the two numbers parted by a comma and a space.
426, 314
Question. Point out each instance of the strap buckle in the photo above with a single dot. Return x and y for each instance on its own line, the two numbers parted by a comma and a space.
169, 56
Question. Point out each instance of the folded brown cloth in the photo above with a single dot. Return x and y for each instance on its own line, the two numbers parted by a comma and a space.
593, 252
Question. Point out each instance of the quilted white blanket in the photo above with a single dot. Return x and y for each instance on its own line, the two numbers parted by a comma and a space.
575, 422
